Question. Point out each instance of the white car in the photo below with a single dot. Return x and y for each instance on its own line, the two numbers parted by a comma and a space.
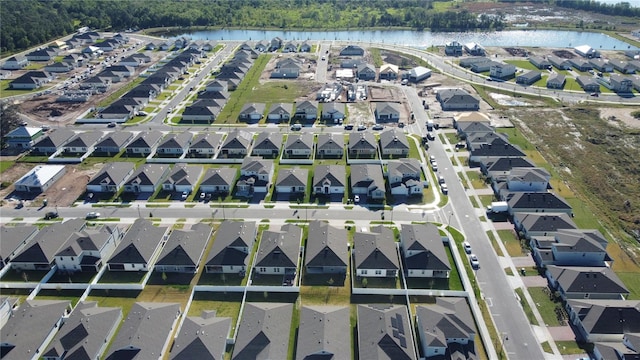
434, 165
92, 215
473, 259
356, 199
185, 194
467, 247
444, 188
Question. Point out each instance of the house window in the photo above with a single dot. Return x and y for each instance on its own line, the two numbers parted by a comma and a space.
231, 267
72, 258
378, 272
364, 272
263, 269
277, 269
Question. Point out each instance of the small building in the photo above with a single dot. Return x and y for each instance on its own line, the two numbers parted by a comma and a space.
384, 332
393, 142
146, 179
329, 179
112, 143
605, 321
559, 63
387, 112
202, 111
205, 144
362, 144
453, 48
446, 327
279, 251
31, 80
263, 331
230, 250
174, 144
540, 62
556, 81
374, 253
237, 143
307, 110
327, 249
23, 137
457, 99
219, 180
183, 250
330, 145
182, 178
82, 143
540, 224
586, 51
620, 83
529, 77
139, 248
280, 112
403, 176
252, 112
88, 249
255, 176
538, 202
299, 145
321, 333
334, 111
424, 252
585, 282
418, 74
352, 50
502, 71
581, 64
367, 179
624, 67
601, 65
40, 178
144, 143
389, 72
111, 178
292, 181
267, 144
204, 336
15, 63
588, 83
474, 49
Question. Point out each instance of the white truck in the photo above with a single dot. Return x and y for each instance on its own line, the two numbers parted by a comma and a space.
498, 207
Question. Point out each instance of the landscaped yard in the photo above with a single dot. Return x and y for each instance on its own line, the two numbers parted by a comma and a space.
511, 242
225, 305
546, 307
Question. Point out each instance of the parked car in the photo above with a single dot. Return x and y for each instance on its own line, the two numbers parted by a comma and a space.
434, 165
92, 215
356, 199
202, 196
185, 194
378, 127
444, 188
467, 247
296, 127
50, 215
361, 127
111, 124
348, 127
432, 159
473, 259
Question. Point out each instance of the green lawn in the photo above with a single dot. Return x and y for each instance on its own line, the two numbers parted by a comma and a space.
486, 200
522, 64
546, 306
494, 243
526, 308
632, 281
5, 91
510, 241
573, 348
477, 179
225, 305
5, 164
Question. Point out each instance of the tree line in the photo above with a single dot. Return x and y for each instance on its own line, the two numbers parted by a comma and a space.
28, 23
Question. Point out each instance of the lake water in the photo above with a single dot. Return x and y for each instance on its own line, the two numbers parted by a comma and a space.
423, 39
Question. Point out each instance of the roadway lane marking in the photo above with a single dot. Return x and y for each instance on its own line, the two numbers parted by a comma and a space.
489, 301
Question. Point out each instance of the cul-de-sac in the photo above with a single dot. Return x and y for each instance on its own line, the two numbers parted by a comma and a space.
336, 180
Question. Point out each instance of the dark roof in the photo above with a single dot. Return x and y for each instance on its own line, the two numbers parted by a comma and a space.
384, 332
547, 222
268, 140
507, 163
302, 141
148, 174
608, 316
292, 177
206, 141
202, 337
48, 242
321, 333
84, 139
84, 333
219, 176
362, 140
376, 249
582, 279
330, 141
144, 331
393, 139
426, 239
538, 200
56, 139
334, 175
86, 240
112, 173
279, 248
28, 327
497, 148
447, 319
139, 243
263, 331
13, 237
326, 245
185, 247
183, 174
145, 139
237, 139
176, 141
116, 139
232, 235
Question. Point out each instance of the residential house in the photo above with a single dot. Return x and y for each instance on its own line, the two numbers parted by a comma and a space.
205, 144
471, 62
587, 83
202, 337
43, 54
418, 74
86, 332
473, 127
260, 46
252, 112
327, 249
374, 253
605, 320
280, 112
202, 111
403, 176
581, 64
39, 253
230, 251
305, 47
527, 179
307, 110
263, 331
601, 65
58, 67
502, 166
182, 178
330, 92
40, 178
540, 62
352, 50
255, 176
446, 327
23, 137
475, 140
146, 331
540, 224
290, 47
118, 112
529, 77
384, 332
424, 252
474, 49
585, 282
237, 143
218, 180
217, 85
558, 62
329, 179
112, 143
147, 178
174, 144
620, 83
184, 249
586, 51
571, 247
389, 72
139, 248
366, 72
82, 143
387, 112
394, 143
30, 328
87, 249
292, 181
14, 239
624, 67
330, 145
275, 44
144, 143
211, 95
453, 48
53, 142
321, 333
556, 81
299, 145
539, 202
278, 252
15, 63
502, 71
498, 147
267, 144
111, 177
288, 68
334, 111
457, 99
362, 144
31, 80
618, 350
367, 179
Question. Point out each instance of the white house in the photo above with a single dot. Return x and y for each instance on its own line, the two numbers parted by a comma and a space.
40, 178
88, 249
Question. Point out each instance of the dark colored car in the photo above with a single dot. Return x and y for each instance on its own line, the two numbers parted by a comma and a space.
50, 215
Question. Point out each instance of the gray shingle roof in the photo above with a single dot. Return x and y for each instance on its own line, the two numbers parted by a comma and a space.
402, 167
230, 234
144, 331
145, 139
326, 245
321, 333
447, 319
292, 177
116, 139
608, 316
281, 109
185, 247
302, 141
206, 141
335, 175
547, 222
237, 139
279, 248
268, 140
84, 333
148, 174
13, 237
257, 165
28, 327
507, 163
582, 279
426, 239
375, 250
546, 201
112, 173
183, 174
263, 331
48, 242
367, 175
219, 176
202, 337
362, 140
86, 240
85, 139
176, 141
330, 142
384, 332
139, 243
393, 139
56, 138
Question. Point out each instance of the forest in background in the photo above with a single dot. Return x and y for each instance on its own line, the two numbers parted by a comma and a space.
27, 23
